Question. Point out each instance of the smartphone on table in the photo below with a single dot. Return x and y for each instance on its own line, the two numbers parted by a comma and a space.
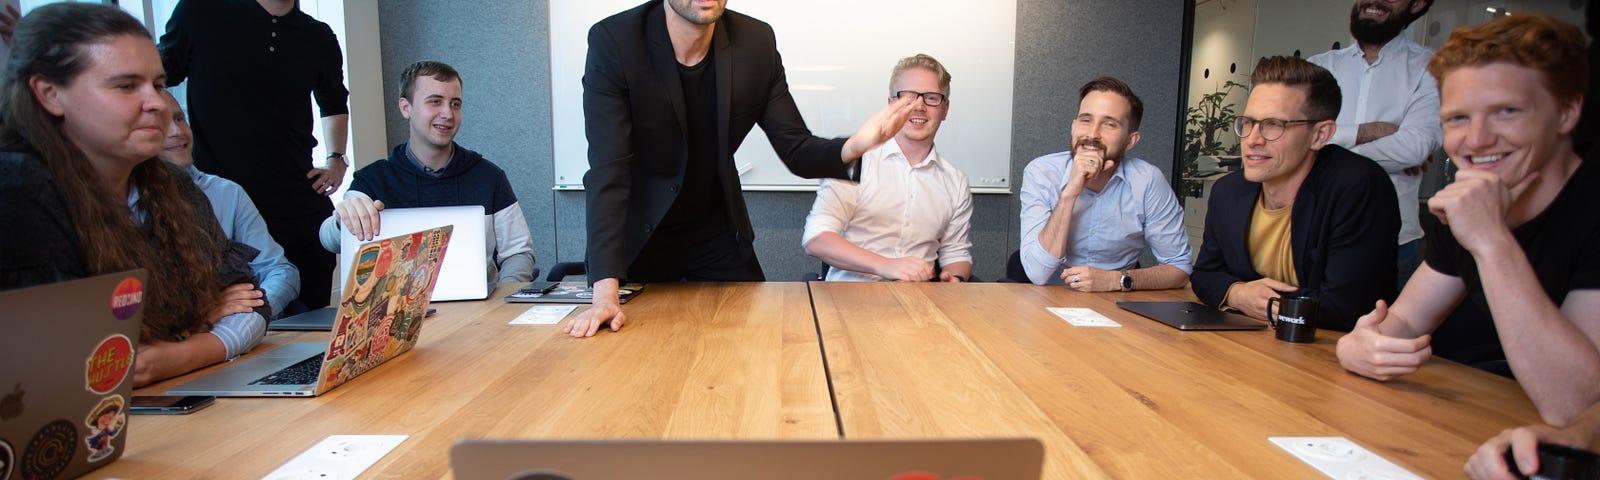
168, 404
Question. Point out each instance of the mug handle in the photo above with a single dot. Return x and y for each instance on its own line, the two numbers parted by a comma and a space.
1270, 322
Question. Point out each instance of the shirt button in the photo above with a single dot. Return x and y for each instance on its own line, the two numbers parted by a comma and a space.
673, 188
274, 20
274, 34
272, 49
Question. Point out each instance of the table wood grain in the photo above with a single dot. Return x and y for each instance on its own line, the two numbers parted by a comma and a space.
1141, 401
705, 361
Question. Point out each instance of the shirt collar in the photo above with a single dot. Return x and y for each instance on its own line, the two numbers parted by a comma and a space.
890, 150
1388, 49
427, 170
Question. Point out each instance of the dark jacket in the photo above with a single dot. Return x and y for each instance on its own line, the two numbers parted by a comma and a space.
634, 118
1342, 230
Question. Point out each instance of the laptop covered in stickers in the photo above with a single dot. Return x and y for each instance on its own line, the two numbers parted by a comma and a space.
66, 374
385, 299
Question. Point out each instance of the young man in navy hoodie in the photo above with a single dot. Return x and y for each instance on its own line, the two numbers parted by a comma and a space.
431, 170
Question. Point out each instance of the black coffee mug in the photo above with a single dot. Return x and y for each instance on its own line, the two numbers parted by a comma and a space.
1295, 320
1560, 462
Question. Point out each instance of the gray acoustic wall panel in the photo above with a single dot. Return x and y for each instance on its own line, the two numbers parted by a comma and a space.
502, 47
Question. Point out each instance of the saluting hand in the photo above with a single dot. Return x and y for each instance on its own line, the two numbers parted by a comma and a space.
881, 127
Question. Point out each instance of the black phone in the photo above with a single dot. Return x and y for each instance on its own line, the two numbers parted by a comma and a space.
538, 287
168, 405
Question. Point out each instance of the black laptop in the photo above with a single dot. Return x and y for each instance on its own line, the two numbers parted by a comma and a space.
1192, 316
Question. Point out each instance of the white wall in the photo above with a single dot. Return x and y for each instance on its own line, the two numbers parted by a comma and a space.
1224, 33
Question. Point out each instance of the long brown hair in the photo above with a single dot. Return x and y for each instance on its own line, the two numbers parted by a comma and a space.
52, 42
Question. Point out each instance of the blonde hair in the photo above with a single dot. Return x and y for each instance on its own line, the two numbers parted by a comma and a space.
921, 60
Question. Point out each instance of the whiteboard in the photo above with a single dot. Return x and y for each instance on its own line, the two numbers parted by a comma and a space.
838, 56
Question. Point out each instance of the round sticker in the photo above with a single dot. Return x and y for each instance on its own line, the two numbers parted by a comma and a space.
8, 459
125, 300
50, 450
109, 364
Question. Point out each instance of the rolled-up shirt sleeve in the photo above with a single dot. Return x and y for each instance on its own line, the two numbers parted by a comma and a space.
831, 212
240, 332
1038, 200
1164, 230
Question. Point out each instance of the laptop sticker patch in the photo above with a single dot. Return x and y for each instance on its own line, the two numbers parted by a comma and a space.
105, 422
109, 364
50, 450
127, 298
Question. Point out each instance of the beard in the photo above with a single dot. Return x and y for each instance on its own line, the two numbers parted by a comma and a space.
686, 9
1106, 153
1373, 32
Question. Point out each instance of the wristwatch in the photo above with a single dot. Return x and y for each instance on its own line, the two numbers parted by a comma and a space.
1127, 281
338, 155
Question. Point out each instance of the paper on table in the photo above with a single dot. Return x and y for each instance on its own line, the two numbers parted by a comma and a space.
1338, 457
1083, 317
338, 456
543, 315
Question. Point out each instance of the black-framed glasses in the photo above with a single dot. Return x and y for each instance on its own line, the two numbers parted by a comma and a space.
1271, 128
932, 99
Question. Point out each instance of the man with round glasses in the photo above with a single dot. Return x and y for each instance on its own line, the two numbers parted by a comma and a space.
1088, 213
1305, 218
911, 206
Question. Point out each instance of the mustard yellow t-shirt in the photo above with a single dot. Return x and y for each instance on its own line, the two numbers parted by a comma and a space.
1270, 250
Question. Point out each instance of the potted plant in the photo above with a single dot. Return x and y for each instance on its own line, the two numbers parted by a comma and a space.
1211, 115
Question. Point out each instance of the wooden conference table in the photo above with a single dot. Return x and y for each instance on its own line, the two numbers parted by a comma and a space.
745, 361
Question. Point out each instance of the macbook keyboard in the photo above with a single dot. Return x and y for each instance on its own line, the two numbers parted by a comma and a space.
303, 373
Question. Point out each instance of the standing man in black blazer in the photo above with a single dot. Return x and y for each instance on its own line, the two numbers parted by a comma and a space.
1304, 218
670, 89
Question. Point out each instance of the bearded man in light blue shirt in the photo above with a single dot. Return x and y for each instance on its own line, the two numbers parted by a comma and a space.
1088, 213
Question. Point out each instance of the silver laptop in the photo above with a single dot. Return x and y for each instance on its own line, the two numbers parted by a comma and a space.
1192, 316
66, 363
385, 300
1015, 458
466, 273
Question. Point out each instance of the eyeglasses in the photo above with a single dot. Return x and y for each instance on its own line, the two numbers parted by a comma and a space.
932, 99
1271, 128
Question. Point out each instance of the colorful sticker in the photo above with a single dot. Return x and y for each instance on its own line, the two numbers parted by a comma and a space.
125, 300
105, 422
50, 450
109, 364
8, 459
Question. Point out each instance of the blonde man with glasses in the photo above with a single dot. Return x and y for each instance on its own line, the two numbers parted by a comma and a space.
1305, 218
911, 209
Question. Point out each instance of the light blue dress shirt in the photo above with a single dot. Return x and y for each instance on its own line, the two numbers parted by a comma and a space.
1109, 228
242, 223
239, 332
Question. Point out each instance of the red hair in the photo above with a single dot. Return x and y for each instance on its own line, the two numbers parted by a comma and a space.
1534, 41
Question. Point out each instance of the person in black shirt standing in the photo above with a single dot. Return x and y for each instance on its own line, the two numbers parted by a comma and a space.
252, 67
664, 109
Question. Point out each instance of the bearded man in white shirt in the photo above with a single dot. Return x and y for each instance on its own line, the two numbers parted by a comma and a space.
1391, 105
911, 210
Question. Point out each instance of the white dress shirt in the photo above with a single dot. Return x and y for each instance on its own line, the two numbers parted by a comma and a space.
1395, 89
897, 210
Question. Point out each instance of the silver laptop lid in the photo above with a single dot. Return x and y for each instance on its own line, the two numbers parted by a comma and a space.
465, 275
1015, 458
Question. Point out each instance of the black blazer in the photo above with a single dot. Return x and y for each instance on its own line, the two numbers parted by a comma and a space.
1343, 231
634, 118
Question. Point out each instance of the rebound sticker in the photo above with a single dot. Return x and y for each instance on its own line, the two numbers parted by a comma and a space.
109, 364
50, 450
105, 423
127, 298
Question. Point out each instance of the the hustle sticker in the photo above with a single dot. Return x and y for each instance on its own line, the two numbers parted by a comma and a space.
109, 364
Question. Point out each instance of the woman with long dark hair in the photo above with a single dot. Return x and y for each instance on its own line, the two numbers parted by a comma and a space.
82, 118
